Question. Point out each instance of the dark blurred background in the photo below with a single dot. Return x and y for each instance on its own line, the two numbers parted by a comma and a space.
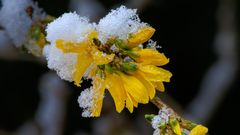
187, 30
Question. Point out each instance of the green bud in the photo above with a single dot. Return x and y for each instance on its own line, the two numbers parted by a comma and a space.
121, 44
162, 126
35, 32
173, 122
149, 117
128, 67
108, 68
131, 53
190, 125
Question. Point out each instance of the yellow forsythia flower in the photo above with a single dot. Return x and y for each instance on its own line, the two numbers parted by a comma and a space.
110, 56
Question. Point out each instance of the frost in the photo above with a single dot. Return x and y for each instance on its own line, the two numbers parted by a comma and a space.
152, 44
85, 101
69, 27
114, 48
127, 59
161, 118
63, 63
156, 131
119, 23
156, 122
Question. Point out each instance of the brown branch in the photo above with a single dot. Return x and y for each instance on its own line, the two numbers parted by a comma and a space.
183, 122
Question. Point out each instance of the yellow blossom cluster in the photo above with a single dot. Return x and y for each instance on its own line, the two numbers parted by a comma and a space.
129, 81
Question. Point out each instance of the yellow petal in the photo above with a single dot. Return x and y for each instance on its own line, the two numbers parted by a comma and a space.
98, 88
115, 87
135, 103
101, 58
93, 71
148, 85
135, 88
129, 103
141, 36
69, 47
83, 62
151, 57
159, 86
155, 74
199, 130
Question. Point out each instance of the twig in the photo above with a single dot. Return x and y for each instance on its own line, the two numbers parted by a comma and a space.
183, 122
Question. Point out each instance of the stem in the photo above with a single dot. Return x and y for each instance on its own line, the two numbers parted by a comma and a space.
160, 104
184, 123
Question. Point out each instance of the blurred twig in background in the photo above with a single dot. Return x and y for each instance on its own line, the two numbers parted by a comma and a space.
221, 75
50, 116
51, 111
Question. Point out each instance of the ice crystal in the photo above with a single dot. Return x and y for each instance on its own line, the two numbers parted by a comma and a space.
119, 23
